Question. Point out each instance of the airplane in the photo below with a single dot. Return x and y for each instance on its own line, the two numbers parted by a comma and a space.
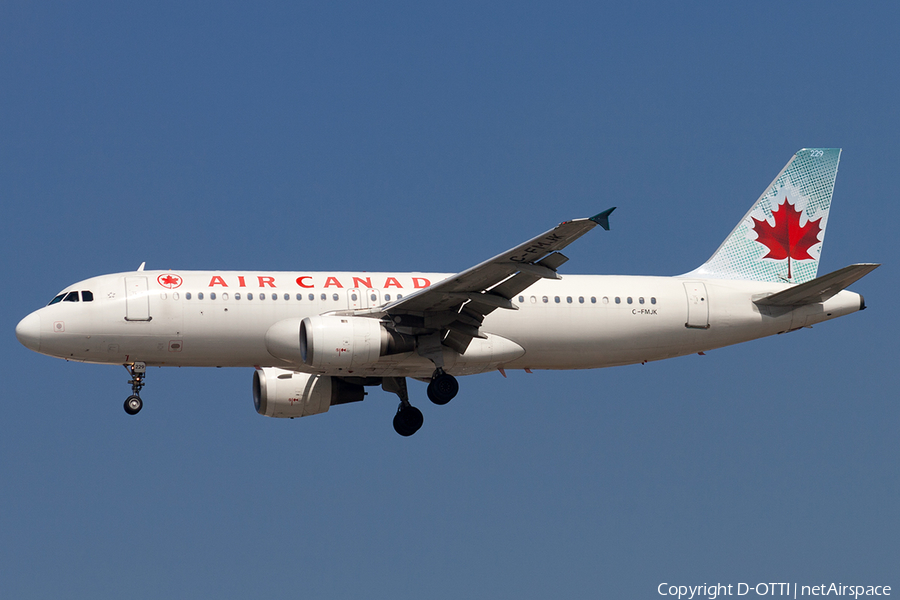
318, 339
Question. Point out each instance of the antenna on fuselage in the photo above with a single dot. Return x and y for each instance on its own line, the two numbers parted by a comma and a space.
141, 268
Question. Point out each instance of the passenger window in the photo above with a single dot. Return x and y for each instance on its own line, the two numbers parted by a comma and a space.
212, 295
199, 295
569, 299
249, 295
399, 296
605, 300
237, 295
352, 297
71, 297
556, 299
187, 295
533, 299
299, 297
334, 297
175, 296
641, 300
87, 296
57, 299
323, 297
373, 297
274, 296
629, 300
580, 299
652, 300
262, 296
545, 299
618, 300
521, 299
225, 296
312, 297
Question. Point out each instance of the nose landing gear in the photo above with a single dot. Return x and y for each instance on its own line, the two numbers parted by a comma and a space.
134, 404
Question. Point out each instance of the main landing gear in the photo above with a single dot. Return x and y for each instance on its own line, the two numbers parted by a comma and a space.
442, 388
133, 403
408, 420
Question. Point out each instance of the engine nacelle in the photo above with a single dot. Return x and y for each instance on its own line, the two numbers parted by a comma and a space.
286, 394
333, 342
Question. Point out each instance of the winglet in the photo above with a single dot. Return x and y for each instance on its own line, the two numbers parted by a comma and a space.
602, 219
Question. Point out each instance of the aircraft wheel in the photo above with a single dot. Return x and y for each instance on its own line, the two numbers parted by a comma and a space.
133, 405
443, 388
408, 420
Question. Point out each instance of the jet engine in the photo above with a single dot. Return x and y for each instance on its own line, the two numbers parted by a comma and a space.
331, 342
286, 394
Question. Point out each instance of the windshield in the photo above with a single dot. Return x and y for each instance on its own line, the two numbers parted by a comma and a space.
86, 296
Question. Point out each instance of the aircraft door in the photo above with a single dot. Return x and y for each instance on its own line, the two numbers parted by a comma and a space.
697, 305
356, 300
137, 299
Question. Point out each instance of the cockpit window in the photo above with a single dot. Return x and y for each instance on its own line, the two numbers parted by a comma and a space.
87, 296
71, 297
57, 299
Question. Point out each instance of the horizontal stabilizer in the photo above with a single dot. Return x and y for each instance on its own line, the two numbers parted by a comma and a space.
821, 288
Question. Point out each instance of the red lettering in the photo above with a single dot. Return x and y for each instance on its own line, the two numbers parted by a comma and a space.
216, 280
266, 281
332, 281
300, 281
420, 282
241, 281
392, 282
359, 280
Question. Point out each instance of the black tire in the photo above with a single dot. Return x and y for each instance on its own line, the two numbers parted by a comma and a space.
408, 420
443, 389
133, 405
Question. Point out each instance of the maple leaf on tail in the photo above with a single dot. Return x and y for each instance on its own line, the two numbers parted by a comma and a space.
787, 239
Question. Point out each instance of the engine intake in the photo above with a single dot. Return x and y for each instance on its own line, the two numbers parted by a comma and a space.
286, 394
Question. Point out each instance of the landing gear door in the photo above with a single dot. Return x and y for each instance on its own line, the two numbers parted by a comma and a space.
137, 299
697, 305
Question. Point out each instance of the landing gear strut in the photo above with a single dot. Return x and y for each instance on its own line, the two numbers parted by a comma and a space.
408, 419
443, 387
134, 404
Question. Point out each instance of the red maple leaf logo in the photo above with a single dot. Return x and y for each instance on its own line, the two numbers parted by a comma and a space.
787, 239
169, 281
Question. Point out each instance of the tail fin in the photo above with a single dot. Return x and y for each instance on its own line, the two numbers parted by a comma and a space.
780, 238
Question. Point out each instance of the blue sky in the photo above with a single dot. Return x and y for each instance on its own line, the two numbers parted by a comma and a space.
398, 136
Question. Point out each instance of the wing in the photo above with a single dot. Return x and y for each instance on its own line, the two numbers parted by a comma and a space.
455, 307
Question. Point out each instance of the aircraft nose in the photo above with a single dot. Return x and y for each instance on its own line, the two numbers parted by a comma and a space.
29, 332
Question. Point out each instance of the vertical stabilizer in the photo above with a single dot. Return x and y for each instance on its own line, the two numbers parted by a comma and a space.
780, 238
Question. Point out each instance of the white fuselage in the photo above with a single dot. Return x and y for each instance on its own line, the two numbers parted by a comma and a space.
219, 318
